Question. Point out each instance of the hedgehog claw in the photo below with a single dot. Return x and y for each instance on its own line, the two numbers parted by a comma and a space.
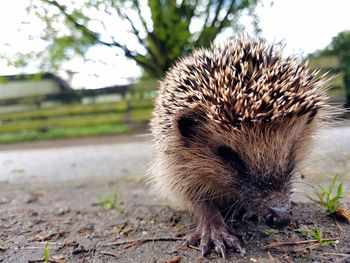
192, 240
220, 248
218, 237
205, 249
205, 243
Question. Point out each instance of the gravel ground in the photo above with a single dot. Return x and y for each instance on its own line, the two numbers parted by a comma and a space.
66, 218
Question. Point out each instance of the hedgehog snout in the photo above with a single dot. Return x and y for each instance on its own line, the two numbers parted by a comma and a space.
279, 216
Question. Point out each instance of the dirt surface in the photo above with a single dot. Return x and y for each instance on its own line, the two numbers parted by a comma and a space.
49, 193
76, 229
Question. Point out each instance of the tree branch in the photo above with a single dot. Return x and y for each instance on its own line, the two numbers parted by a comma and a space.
188, 9
217, 11
139, 59
130, 54
137, 34
81, 27
134, 29
207, 11
150, 34
224, 21
143, 21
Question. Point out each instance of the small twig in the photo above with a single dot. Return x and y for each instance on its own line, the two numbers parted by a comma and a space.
307, 249
292, 243
47, 237
40, 247
108, 254
51, 219
142, 241
133, 244
194, 247
337, 254
29, 248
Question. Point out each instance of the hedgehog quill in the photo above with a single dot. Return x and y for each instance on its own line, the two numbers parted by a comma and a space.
231, 124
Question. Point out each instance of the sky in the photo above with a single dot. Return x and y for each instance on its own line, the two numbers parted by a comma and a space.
303, 25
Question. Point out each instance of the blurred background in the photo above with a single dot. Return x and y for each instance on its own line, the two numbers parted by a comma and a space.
78, 78
86, 68
77, 83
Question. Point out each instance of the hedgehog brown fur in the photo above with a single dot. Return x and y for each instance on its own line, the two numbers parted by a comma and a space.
230, 126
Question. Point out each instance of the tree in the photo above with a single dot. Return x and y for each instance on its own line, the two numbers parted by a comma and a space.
160, 31
340, 47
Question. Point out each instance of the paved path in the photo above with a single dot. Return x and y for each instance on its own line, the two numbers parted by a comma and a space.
59, 163
130, 156
331, 154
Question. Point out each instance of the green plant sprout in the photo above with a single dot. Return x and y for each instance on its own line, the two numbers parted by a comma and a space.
316, 234
327, 199
46, 252
112, 201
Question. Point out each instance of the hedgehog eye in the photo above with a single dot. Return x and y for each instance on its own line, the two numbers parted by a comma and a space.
188, 123
187, 127
232, 158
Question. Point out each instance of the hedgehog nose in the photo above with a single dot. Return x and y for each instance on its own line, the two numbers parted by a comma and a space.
279, 216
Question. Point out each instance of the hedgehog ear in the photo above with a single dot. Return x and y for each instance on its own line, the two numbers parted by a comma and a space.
188, 122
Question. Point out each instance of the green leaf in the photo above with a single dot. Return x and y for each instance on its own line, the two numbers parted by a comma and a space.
75, 26
46, 252
318, 234
331, 187
307, 231
340, 191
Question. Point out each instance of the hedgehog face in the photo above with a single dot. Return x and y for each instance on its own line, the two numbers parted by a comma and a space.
250, 167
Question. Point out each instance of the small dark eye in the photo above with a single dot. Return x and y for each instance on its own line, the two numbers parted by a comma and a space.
232, 158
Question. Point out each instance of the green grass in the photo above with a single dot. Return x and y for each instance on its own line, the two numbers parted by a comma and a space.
75, 120
27, 129
316, 234
74, 110
46, 252
324, 62
64, 133
329, 199
142, 115
332, 64
61, 122
112, 201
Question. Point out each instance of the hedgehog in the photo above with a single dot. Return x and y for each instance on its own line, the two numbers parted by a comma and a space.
230, 127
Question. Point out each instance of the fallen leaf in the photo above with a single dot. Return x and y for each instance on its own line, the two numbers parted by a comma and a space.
175, 259
59, 259
344, 214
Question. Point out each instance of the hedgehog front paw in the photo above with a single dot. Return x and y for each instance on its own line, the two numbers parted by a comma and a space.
220, 237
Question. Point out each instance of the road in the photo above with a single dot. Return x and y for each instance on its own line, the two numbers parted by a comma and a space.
59, 162
109, 158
